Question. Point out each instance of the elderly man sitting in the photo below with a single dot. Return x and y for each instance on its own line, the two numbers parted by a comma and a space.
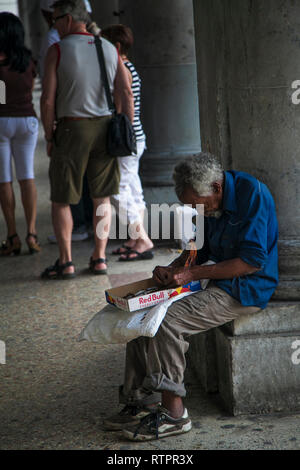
241, 235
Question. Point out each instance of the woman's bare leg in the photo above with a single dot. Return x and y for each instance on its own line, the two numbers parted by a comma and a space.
8, 204
29, 201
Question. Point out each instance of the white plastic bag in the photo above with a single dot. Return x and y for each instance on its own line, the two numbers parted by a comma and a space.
113, 325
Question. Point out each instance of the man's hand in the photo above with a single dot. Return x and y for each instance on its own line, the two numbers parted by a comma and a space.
179, 277
49, 149
160, 275
171, 277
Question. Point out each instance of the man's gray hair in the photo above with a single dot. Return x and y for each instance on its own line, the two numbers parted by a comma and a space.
198, 172
75, 8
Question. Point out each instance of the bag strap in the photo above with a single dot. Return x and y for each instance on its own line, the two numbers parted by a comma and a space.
104, 78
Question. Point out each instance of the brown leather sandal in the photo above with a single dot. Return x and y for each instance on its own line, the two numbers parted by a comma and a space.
11, 246
33, 246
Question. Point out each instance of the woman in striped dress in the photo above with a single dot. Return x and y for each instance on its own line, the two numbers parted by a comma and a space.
130, 203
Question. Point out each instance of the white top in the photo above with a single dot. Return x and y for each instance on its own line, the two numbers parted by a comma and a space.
80, 92
136, 90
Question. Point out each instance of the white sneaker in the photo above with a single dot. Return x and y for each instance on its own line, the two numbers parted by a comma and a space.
156, 425
127, 416
51, 239
77, 236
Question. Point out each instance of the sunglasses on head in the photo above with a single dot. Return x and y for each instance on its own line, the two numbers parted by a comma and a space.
54, 20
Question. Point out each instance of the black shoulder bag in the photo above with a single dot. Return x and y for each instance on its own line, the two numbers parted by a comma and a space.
120, 135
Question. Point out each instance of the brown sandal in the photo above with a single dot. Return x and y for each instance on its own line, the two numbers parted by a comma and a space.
10, 247
33, 246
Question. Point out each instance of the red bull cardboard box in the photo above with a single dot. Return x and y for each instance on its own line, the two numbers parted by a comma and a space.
116, 296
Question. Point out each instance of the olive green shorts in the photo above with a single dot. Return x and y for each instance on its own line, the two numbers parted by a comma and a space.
79, 147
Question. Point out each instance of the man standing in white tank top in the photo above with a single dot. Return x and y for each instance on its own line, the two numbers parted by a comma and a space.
73, 96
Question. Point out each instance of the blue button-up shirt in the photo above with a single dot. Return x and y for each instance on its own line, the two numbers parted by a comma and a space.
248, 230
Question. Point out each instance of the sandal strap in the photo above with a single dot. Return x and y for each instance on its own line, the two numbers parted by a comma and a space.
31, 235
66, 265
54, 267
10, 239
57, 268
93, 262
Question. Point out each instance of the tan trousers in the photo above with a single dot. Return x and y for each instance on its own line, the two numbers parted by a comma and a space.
158, 363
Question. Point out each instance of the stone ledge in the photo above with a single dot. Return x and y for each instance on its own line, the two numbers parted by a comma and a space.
278, 317
256, 374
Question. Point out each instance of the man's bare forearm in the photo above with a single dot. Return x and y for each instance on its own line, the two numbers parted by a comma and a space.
180, 261
172, 276
224, 270
48, 118
49, 92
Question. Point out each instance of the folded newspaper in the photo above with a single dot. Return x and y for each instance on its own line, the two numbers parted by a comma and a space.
114, 326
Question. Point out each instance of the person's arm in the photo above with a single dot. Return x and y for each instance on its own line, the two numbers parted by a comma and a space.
129, 77
158, 274
172, 276
49, 95
180, 260
123, 97
202, 256
33, 76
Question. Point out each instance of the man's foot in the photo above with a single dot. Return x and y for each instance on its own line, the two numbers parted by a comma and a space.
59, 271
129, 415
98, 266
133, 255
127, 246
157, 425
137, 252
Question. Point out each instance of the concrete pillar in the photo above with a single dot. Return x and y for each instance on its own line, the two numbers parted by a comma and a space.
250, 54
164, 55
251, 57
106, 12
34, 24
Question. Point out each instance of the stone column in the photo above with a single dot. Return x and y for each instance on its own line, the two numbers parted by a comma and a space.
164, 55
250, 54
34, 24
105, 12
251, 57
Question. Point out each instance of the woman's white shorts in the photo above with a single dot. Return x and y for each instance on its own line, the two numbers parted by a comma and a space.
18, 138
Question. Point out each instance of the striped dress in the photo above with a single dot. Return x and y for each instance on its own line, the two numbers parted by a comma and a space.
136, 90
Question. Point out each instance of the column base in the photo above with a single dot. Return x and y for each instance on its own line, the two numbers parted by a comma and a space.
258, 369
253, 362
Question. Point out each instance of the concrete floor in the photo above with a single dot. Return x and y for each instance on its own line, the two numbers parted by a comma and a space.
55, 391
